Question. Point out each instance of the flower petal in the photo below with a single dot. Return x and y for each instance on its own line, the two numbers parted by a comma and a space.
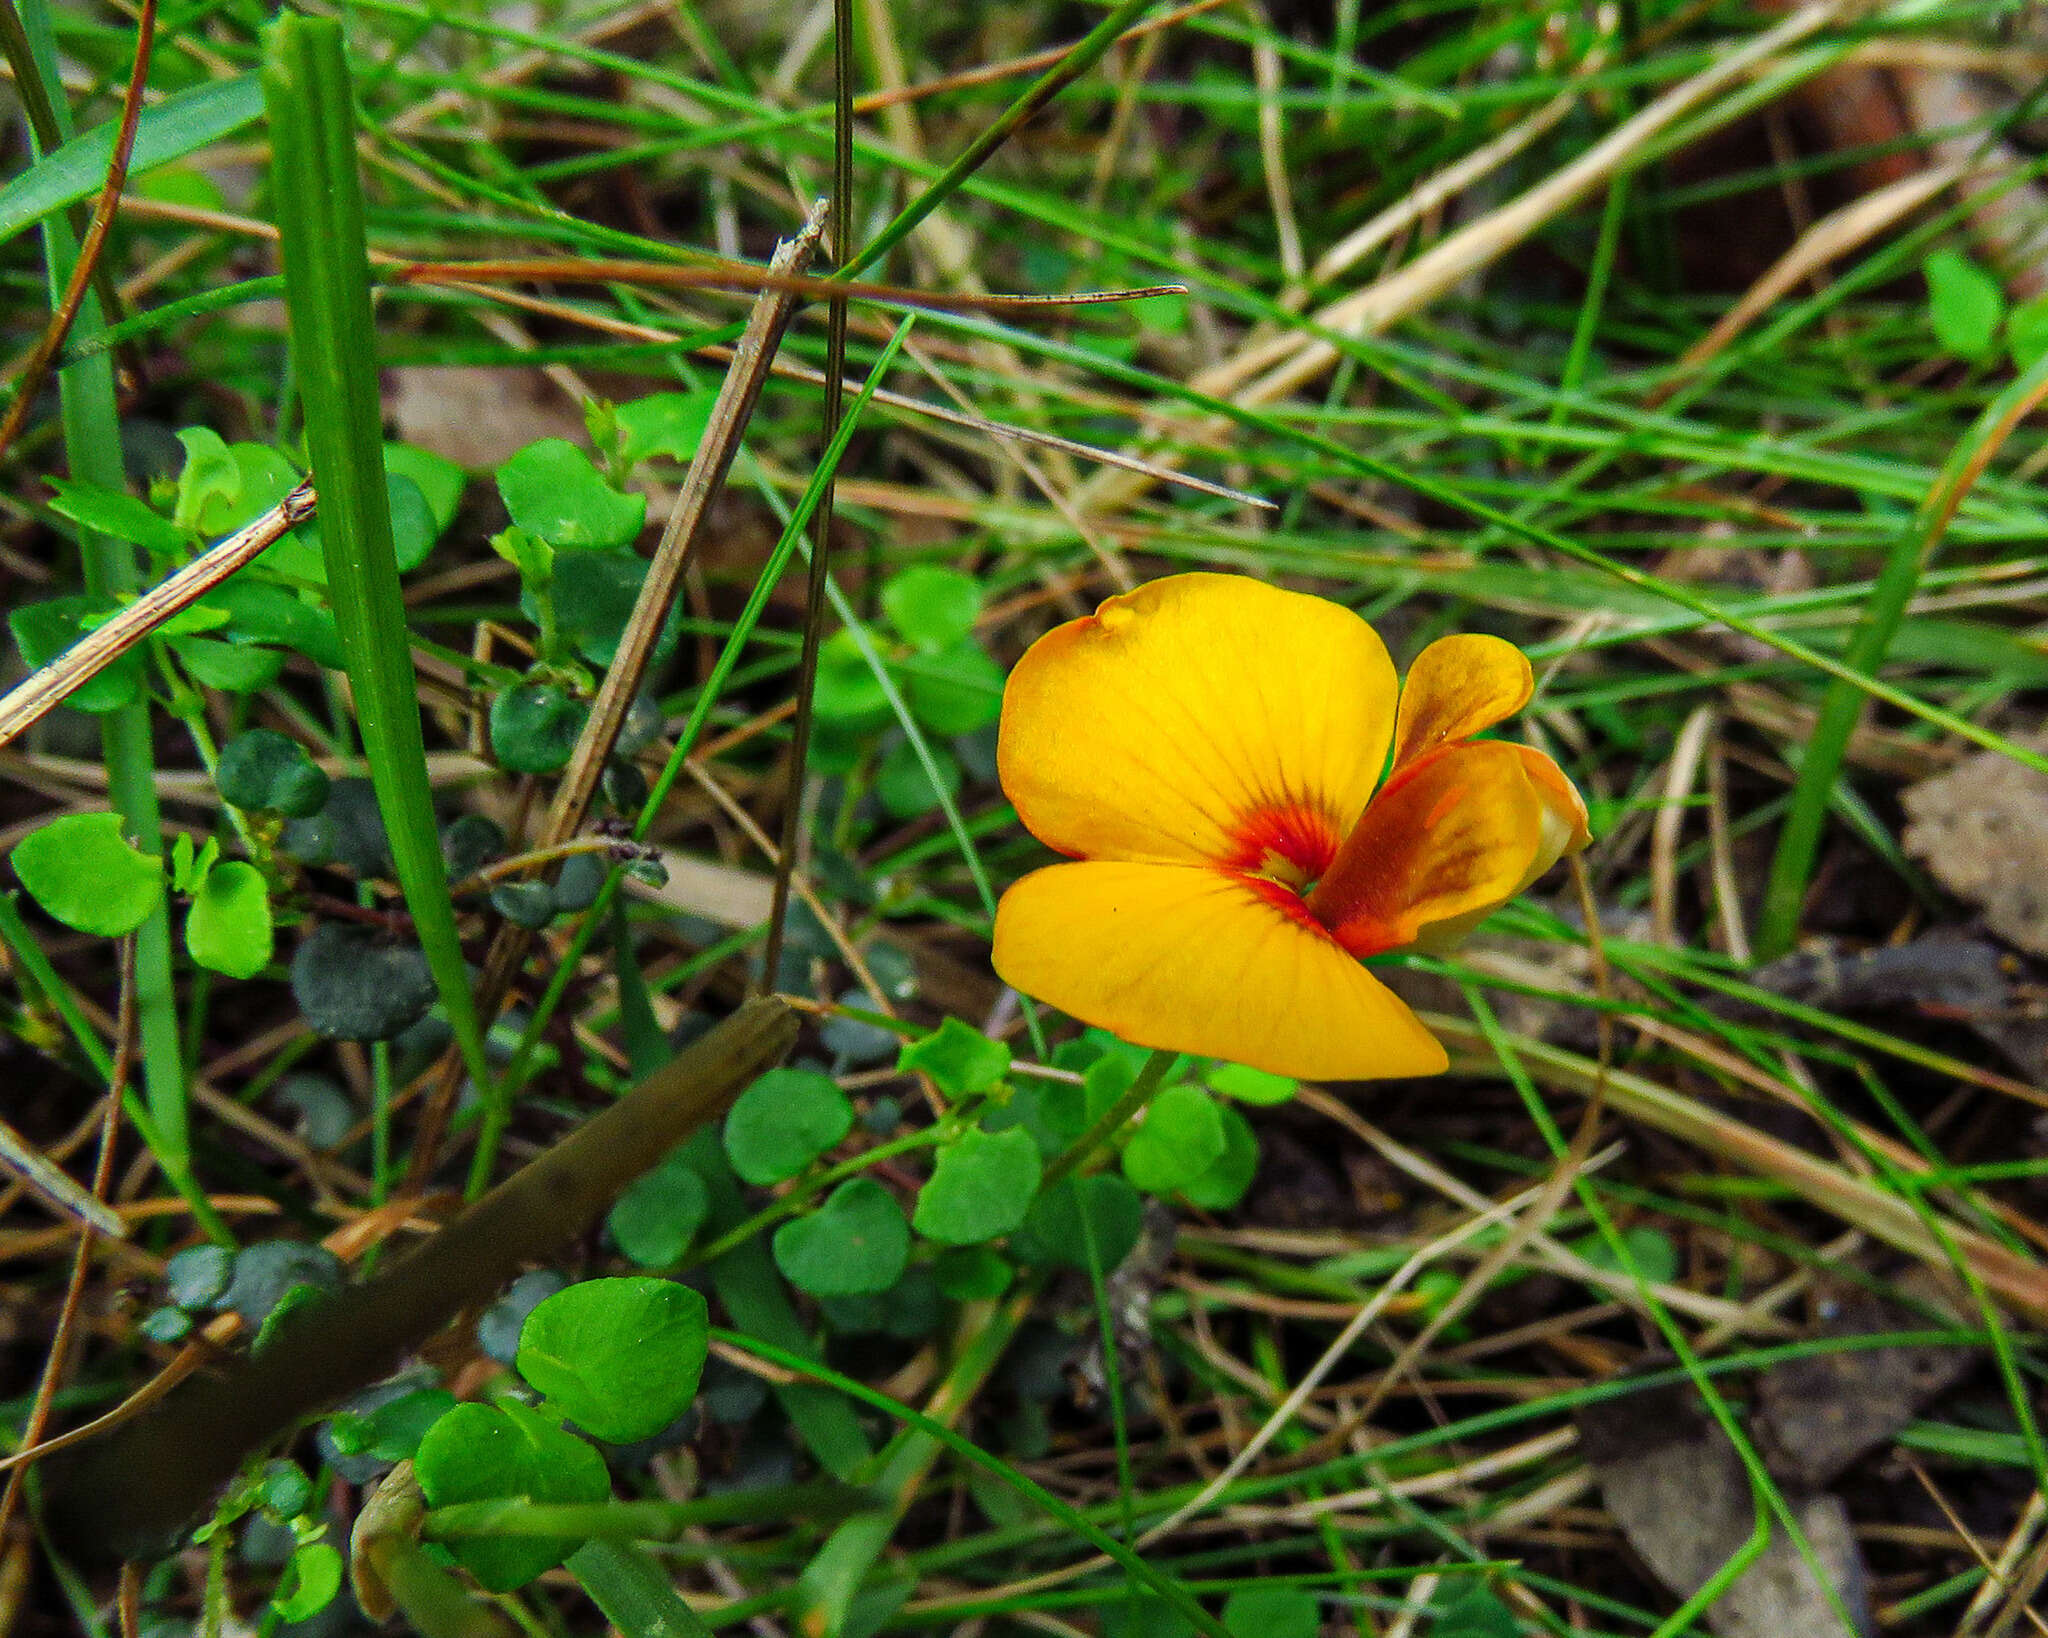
1564, 808
1196, 960
1449, 835
1203, 718
1457, 687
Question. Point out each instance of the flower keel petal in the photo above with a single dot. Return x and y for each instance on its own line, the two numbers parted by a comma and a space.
1457, 687
1451, 835
1203, 718
1194, 960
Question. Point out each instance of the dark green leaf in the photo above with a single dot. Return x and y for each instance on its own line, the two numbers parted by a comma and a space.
956, 691
1224, 1184
783, 1122
264, 612
263, 771
524, 904
1475, 1613
594, 594
534, 727
1053, 1236
440, 480
1272, 1612
233, 668
392, 1431
356, 984
972, 1274
848, 693
905, 788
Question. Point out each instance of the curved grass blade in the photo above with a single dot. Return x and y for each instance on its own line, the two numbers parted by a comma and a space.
173, 128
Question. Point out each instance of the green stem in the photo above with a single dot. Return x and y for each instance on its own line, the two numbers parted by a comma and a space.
92, 445
1111, 1120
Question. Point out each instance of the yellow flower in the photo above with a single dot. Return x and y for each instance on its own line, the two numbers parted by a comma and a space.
1208, 748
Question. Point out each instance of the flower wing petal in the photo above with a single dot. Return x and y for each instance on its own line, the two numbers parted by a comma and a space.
1449, 836
1459, 686
1183, 721
1195, 960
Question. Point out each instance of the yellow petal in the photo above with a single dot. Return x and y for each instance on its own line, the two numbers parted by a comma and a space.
1449, 835
1204, 718
1195, 960
1458, 687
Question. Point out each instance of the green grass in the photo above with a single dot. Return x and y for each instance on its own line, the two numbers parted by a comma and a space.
1829, 524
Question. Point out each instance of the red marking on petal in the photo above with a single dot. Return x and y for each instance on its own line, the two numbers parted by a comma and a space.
1290, 845
1284, 899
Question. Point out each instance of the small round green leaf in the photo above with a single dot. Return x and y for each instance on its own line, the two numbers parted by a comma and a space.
355, 984
982, 1186
440, 480
524, 904
958, 1057
654, 1221
534, 727
1180, 1138
594, 594
783, 1122
1964, 303
972, 1274
499, 1452
1475, 1613
1224, 1184
86, 874
955, 691
1248, 1085
310, 1582
854, 1245
552, 490
847, 693
228, 927
664, 423
1055, 1236
618, 1357
932, 607
263, 771
468, 843
904, 786
233, 668
198, 1276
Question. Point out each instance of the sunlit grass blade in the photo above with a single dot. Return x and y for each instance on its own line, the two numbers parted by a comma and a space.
334, 346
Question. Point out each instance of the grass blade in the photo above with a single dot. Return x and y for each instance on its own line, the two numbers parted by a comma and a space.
334, 345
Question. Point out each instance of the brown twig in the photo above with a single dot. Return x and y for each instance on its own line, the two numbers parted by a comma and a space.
51, 342
752, 361
74, 1291
48, 687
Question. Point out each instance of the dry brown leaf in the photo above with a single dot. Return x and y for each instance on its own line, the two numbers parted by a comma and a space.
1982, 829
